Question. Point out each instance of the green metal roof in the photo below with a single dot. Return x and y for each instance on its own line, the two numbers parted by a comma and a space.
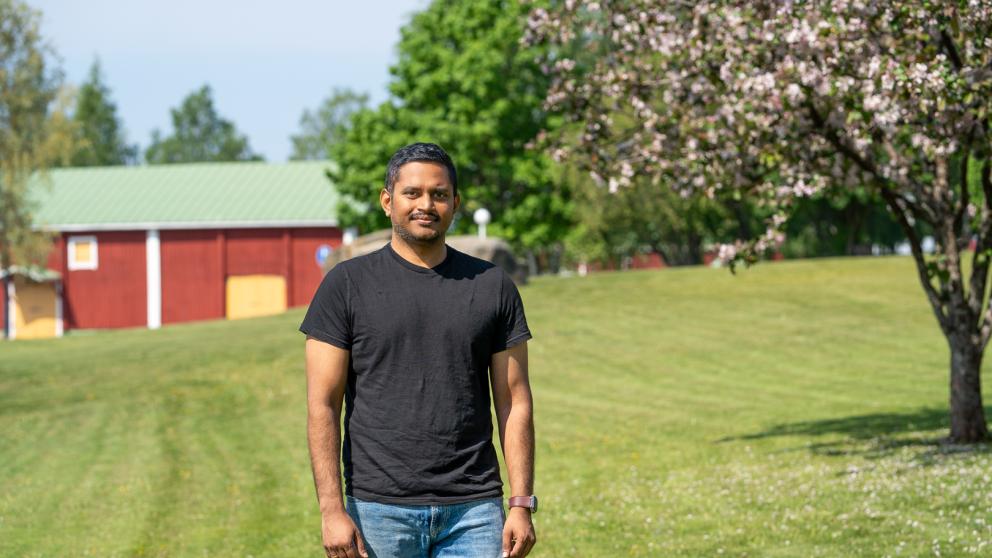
34, 273
186, 196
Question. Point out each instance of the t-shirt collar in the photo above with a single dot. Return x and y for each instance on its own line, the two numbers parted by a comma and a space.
449, 254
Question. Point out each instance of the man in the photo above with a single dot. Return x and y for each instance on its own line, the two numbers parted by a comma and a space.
412, 337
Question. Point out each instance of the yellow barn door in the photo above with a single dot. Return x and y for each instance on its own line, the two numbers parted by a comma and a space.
255, 295
34, 309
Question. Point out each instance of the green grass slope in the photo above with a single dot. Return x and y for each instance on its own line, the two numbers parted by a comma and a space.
791, 410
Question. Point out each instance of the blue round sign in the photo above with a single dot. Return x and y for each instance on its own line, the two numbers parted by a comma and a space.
323, 251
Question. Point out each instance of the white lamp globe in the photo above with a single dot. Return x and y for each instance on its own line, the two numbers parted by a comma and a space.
482, 216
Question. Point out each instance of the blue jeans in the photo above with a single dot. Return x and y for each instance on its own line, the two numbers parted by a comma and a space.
470, 530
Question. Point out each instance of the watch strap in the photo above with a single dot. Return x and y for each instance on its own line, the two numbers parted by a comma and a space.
523, 502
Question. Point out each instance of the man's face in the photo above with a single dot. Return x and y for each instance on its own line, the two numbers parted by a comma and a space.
422, 204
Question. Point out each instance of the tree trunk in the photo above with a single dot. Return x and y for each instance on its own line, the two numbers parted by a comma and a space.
855, 217
743, 219
959, 324
695, 249
665, 255
967, 413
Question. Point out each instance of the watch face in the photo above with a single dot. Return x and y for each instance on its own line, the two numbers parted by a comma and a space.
533, 504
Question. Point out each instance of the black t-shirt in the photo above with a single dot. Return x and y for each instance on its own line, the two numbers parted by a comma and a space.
418, 426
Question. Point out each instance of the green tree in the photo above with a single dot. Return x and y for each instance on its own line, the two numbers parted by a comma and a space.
327, 126
101, 138
199, 134
464, 81
34, 130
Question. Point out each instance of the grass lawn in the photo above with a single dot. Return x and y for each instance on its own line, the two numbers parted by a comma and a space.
791, 410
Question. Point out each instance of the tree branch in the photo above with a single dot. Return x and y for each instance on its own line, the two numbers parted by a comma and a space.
965, 199
952, 50
921, 265
852, 154
984, 240
831, 135
952, 284
979, 259
980, 268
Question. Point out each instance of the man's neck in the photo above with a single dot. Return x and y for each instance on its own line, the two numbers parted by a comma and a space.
420, 254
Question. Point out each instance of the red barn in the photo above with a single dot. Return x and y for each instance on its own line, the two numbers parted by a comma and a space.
147, 245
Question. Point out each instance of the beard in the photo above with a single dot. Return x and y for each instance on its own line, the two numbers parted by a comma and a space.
428, 237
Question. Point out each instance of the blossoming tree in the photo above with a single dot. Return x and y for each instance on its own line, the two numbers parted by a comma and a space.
778, 100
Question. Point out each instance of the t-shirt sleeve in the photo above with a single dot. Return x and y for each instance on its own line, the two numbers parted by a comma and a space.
511, 328
329, 316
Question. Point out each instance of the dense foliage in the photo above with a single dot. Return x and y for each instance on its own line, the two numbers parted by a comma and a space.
464, 81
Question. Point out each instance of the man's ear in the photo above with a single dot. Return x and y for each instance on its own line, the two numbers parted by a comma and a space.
385, 199
458, 202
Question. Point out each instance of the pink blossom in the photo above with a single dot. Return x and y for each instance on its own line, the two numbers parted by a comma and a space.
808, 96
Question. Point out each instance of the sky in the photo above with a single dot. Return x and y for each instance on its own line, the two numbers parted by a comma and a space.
265, 61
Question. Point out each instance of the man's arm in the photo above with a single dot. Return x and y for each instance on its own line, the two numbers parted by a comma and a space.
327, 375
514, 412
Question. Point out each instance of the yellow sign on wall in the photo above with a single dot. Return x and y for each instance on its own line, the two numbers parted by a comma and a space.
255, 295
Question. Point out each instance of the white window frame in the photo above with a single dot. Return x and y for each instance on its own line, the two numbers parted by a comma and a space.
73, 265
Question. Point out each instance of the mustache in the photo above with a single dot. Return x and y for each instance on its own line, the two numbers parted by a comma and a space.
420, 215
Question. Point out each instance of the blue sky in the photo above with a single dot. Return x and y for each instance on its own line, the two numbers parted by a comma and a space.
266, 61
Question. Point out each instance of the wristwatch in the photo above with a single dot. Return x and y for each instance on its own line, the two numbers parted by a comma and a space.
524, 502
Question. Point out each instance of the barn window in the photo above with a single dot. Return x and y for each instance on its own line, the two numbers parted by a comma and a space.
82, 252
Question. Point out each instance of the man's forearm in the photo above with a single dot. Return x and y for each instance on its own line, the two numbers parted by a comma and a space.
518, 447
324, 438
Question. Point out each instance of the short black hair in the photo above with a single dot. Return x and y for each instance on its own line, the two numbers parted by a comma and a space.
420, 152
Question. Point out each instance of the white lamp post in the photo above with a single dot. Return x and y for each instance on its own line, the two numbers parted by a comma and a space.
482, 218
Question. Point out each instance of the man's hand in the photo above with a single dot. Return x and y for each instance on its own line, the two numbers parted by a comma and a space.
341, 537
518, 533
